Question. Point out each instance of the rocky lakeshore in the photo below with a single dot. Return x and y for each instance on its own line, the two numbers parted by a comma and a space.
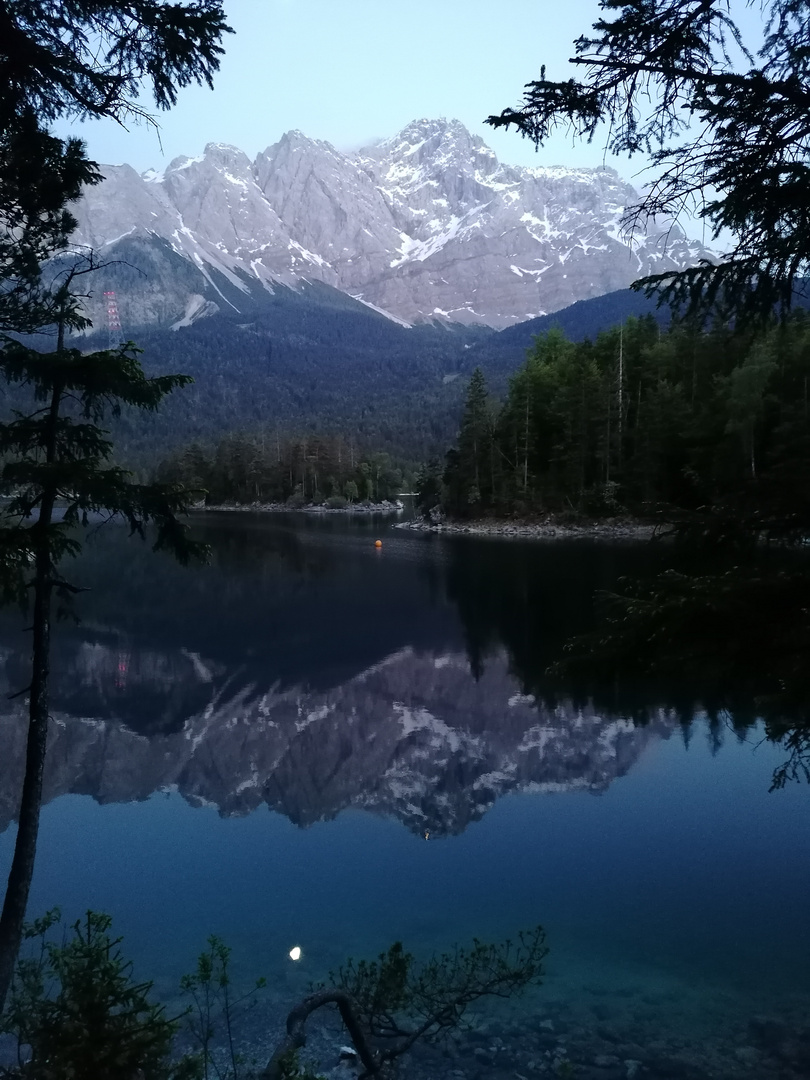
384, 507
546, 529
631, 1034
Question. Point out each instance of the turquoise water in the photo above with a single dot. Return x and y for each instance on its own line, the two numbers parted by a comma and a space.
259, 750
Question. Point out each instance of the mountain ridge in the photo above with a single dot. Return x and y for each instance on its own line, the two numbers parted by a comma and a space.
427, 225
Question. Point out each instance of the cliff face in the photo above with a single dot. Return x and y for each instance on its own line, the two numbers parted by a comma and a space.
425, 225
415, 737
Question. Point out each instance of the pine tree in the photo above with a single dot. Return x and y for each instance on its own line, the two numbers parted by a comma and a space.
85, 58
471, 479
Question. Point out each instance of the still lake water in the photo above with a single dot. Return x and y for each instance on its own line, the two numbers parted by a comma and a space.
312, 742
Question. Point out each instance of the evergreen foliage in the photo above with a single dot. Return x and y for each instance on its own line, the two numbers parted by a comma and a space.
706, 433
268, 468
400, 1001
707, 430
307, 367
723, 113
76, 1011
389, 1004
217, 1010
91, 57
82, 58
718, 424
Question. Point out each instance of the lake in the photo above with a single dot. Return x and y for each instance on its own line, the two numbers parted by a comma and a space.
319, 743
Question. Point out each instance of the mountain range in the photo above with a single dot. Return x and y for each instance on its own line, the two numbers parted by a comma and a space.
425, 226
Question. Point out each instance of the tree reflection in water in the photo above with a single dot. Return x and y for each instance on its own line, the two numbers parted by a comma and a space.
629, 632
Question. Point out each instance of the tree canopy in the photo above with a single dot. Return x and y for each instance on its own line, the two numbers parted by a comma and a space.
723, 111
80, 58
691, 427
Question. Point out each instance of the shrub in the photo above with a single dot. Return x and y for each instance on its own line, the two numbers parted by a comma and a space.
76, 1011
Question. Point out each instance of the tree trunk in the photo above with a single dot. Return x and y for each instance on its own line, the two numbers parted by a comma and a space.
607, 443
526, 450
25, 847
492, 469
753, 459
621, 399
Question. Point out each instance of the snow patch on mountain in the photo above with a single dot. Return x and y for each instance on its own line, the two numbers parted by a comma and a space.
197, 307
428, 223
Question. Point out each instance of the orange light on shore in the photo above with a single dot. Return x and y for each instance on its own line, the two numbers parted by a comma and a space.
378, 543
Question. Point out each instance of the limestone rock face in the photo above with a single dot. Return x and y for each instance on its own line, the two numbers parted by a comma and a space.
425, 225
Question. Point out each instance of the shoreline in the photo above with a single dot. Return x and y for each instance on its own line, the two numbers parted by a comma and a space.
628, 529
595, 529
384, 507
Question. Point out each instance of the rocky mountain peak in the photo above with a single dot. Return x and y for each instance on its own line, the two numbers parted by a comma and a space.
294, 150
432, 139
424, 225
229, 162
426, 151
226, 151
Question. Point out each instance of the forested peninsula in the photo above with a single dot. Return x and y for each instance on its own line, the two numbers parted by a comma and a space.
642, 423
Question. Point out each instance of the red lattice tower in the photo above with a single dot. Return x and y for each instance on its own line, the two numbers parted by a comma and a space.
113, 319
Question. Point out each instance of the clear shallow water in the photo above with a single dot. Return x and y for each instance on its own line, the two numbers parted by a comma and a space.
369, 698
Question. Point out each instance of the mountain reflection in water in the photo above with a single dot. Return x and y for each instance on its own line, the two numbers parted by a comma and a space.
303, 671
416, 737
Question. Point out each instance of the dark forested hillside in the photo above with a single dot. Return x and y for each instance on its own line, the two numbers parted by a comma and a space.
262, 466
584, 319
315, 360
310, 359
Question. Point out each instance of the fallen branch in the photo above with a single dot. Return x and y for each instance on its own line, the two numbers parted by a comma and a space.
296, 1037
390, 1003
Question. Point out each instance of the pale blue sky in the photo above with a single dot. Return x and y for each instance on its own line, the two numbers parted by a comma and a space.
356, 70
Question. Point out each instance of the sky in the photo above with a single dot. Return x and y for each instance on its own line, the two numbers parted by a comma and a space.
359, 70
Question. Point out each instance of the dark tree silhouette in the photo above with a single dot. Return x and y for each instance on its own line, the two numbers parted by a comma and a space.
723, 111
78, 58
